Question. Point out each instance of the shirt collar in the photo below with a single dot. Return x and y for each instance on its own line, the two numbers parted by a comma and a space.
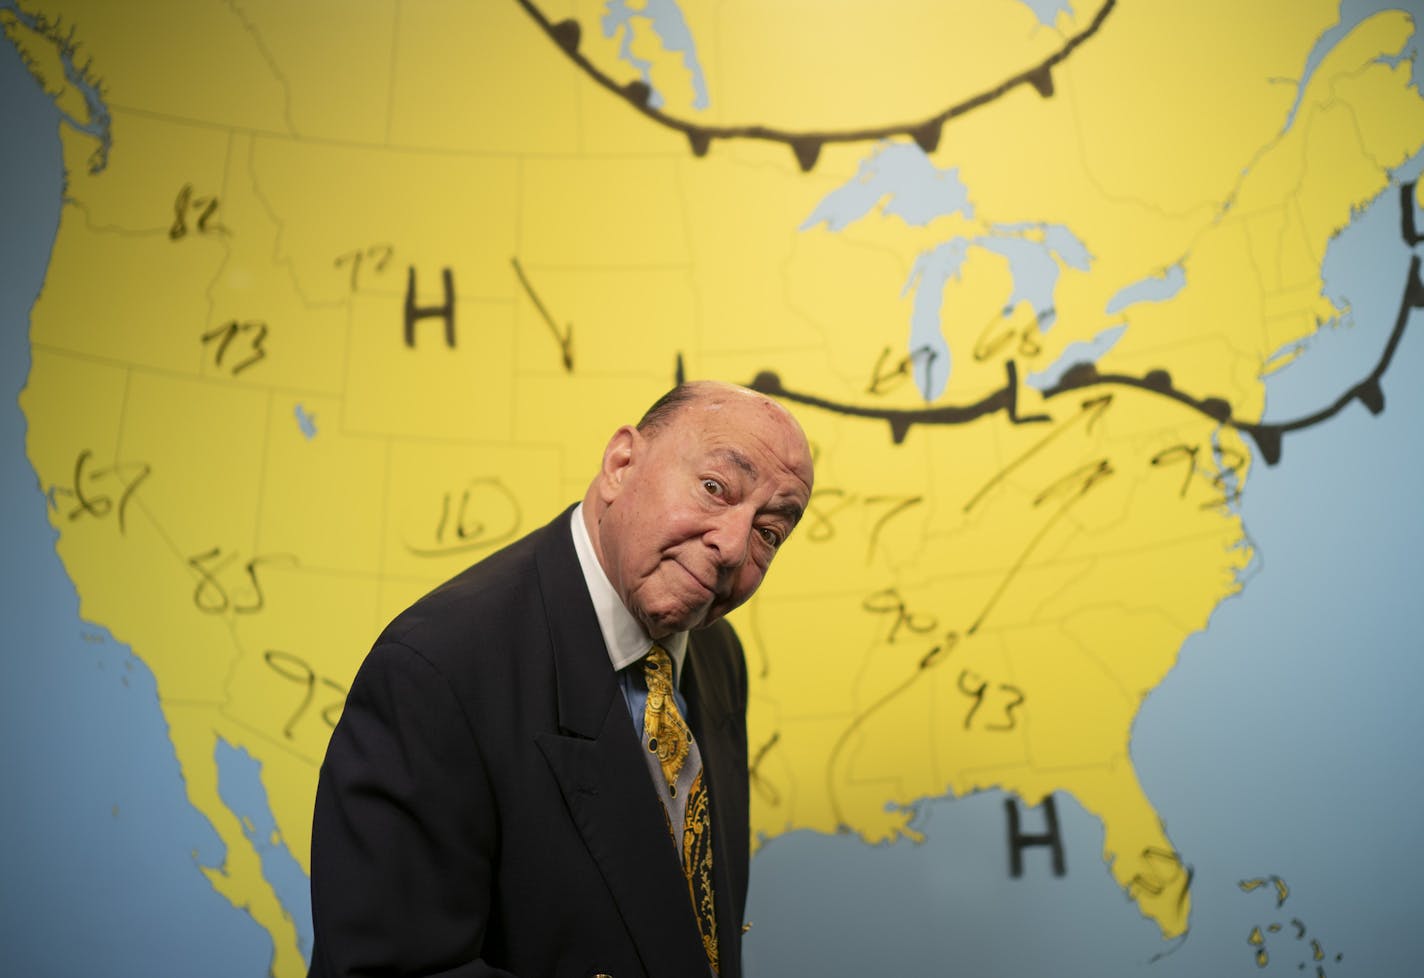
622, 635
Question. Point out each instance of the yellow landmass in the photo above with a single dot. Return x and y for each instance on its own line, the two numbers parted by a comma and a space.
196, 61
805, 67
42, 58
1022, 642
195, 733
1261, 264
440, 96
723, 201
279, 282
998, 596
334, 61
1139, 97
316, 492
153, 308
1141, 154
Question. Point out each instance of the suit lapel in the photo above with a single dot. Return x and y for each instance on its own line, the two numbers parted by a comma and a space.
596, 760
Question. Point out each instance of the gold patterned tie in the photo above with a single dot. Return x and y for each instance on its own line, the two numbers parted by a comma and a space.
667, 736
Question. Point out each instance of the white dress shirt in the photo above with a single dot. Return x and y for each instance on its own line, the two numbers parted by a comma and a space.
627, 644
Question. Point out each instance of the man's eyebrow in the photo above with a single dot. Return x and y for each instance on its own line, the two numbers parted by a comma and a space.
788, 509
734, 457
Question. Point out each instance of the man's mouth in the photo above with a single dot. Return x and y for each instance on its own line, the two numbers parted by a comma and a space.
712, 591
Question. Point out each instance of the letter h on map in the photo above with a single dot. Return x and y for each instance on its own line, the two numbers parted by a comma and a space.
413, 312
1019, 840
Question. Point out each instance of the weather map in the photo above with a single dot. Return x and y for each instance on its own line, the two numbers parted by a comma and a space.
342, 298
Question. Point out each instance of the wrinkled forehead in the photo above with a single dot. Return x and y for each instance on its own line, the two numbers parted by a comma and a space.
753, 427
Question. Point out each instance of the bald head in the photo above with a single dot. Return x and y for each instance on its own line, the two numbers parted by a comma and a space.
708, 393
690, 506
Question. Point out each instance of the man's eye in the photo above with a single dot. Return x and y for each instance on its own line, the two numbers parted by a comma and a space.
772, 538
712, 486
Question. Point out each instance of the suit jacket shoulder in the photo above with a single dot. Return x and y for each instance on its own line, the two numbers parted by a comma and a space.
486, 736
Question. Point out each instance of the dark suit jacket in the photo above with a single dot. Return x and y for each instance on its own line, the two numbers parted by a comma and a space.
484, 807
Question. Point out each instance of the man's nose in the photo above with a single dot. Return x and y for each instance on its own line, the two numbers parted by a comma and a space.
730, 537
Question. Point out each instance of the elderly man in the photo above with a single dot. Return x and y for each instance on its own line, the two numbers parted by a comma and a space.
541, 769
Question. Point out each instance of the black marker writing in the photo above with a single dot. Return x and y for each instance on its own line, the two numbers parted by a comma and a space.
1050, 838
1008, 698
379, 254
888, 602
213, 597
127, 475
289, 666
253, 331
187, 204
806, 146
483, 513
564, 339
415, 313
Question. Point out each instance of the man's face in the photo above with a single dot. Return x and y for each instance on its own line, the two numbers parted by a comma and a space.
696, 511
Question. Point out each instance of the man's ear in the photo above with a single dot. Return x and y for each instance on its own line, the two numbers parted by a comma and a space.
622, 451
